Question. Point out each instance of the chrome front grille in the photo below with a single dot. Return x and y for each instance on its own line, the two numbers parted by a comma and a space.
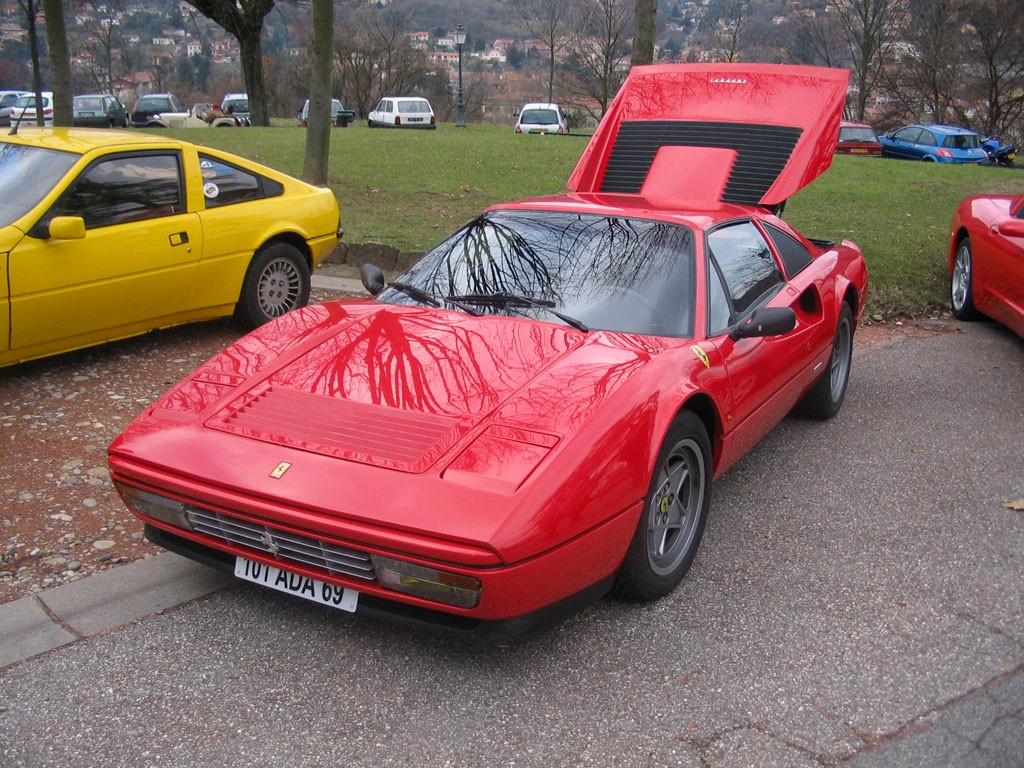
286, 547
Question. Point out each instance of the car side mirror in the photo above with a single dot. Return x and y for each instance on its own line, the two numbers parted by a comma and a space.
1011, 227
373, 278
66, 228
767, 321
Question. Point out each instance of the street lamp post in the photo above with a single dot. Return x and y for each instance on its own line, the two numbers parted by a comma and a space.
460, 104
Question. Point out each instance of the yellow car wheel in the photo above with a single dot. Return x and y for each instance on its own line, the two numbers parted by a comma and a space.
276, 282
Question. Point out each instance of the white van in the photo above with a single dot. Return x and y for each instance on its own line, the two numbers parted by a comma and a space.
541, 117
402, 112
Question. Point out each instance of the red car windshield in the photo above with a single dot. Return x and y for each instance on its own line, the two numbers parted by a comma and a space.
609, 272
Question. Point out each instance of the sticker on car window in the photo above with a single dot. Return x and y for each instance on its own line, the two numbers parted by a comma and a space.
210, 190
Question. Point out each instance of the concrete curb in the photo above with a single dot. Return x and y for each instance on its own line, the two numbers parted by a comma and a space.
93, 605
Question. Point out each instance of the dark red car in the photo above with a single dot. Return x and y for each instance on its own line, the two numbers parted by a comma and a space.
857, 139
534, 413
986, 259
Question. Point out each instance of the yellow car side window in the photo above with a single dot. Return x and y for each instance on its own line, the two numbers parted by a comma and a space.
123, 189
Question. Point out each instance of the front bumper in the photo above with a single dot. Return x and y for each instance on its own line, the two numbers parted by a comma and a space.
500, 632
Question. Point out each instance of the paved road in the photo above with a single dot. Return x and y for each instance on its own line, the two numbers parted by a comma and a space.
857, 601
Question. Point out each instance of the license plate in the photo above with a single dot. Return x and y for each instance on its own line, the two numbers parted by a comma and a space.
859, 151
272, 577
415, 119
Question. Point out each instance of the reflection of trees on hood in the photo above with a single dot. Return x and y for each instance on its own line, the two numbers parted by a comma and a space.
420, 361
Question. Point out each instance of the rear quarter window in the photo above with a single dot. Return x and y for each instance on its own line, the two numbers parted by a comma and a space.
795, 258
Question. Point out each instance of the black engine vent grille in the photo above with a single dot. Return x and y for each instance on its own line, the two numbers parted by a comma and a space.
762, 153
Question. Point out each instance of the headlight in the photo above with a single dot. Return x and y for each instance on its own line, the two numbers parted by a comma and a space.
146, 504
429, 583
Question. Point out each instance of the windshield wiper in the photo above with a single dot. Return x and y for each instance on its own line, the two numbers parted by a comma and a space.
524, 301
422, 296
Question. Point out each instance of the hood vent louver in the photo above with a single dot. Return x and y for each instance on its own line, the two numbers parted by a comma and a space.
762, 153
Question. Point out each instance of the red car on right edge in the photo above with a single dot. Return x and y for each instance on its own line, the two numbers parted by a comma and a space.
986, 259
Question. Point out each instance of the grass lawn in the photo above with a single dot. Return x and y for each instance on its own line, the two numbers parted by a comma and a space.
408, 189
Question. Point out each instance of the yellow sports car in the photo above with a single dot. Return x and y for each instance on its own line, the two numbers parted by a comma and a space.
107, 234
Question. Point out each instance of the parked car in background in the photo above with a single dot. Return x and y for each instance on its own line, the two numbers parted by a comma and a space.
934, 143
237, 105
7, 100
534, 413
986, 259
98, 110
541, 117
150, 106
200, 116
857, 139
402, 112
109, 234
24, 110
340, 117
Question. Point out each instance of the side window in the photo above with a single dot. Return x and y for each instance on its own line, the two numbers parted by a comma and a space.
226, 184
122, 189
794, 256
927, 139
746, 263
719, 311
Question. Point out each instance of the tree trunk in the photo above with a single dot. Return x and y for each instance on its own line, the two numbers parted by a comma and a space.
645, 15
60, 63
251, 56
244, 20
318, 136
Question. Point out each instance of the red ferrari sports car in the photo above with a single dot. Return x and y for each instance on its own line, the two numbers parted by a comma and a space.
986, 259
533, 414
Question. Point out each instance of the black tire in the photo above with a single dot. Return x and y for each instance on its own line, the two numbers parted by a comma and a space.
675, 512
276, 282
826, 397
961, 289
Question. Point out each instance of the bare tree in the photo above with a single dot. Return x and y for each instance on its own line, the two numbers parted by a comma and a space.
374, 58
645, 17
730, 31
60, 63
929, 79
868, 29
31, 10
100, 22
548, 21
819, 40
318, 136
598, 58
997, 43
244, 20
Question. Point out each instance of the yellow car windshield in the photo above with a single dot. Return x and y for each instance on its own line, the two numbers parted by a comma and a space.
26, 175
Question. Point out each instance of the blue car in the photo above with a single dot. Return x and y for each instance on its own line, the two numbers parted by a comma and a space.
934, 143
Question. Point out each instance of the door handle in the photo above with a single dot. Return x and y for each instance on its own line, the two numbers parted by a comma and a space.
178, 238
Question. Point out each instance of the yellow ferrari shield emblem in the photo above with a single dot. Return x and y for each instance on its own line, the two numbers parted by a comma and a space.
701, 354
280, 469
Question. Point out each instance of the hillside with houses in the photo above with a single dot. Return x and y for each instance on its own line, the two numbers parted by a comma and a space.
575, 52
